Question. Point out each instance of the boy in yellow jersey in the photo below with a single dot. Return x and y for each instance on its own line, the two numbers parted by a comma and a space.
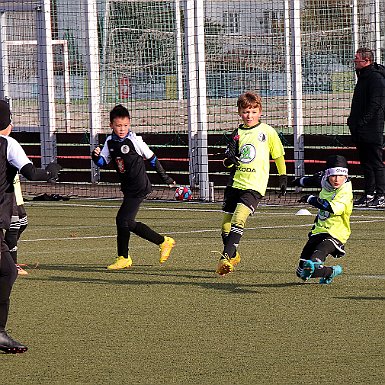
331, 227
248, 158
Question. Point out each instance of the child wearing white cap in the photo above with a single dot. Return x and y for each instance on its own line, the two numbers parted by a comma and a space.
331, 227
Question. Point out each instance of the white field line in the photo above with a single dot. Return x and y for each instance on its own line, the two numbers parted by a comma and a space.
50, 205
370, 220
170, 233
187, 232
257, 213
371, 276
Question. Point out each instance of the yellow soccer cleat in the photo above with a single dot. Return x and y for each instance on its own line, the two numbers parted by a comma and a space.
234, 261
224, 267
121, 263
165, 249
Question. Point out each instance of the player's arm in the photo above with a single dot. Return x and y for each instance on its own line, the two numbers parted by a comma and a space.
156, 165
277, 152
340, 202
317, 202
308, 181
143, 149
17, 157
281, 168
98, 158
50, 173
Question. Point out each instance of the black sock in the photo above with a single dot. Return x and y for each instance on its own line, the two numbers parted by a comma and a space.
147, 233
232, 241
123, 238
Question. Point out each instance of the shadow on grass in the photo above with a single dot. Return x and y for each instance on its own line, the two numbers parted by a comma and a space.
363, 298
193, 278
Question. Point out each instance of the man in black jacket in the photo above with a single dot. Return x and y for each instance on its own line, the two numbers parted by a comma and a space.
366, 124
12, 160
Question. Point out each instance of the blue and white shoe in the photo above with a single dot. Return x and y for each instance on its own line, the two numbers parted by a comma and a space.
337, 270
307, 269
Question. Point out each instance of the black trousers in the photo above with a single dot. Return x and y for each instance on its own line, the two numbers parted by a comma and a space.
126, 223
373, 168
8, 275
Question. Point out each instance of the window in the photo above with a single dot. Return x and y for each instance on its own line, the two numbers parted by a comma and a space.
231, 21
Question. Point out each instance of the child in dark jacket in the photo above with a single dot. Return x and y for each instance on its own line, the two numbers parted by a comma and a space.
127, 152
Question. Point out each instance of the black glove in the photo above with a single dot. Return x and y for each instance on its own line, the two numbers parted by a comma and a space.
231, 161
231, 154
304, 198
53, 169
283, 184
295, 182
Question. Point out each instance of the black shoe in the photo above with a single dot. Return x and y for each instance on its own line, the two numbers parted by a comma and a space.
377, 202
363, 201
9, 345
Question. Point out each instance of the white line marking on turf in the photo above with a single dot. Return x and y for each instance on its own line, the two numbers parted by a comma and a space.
188, 232
371, 276
170, 233
67, 238
117, 207
144, 207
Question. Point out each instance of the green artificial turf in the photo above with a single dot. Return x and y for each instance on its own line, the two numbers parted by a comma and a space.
179, 323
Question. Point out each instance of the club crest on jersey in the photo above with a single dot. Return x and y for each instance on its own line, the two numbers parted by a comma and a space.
323, 215
247, 153
120, 164
262, 137
125, 149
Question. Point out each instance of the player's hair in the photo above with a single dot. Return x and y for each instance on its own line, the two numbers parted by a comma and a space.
249, 100
366, 54
119, 111
5, 115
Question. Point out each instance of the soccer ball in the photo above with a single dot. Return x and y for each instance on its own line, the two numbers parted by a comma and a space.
183, 193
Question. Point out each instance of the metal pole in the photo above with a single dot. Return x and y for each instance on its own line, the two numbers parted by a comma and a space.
377, 31
192, 92
67, 96
179, 67
106, 21
93, 81
46, 83
355, 26
212, 192
299, 162
4, 80
202, 102
288, 65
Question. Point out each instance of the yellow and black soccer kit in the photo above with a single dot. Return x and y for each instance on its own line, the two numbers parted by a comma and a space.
248, 157
331, 228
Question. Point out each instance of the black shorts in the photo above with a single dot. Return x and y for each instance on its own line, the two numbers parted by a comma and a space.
233, 196
323, 242
21, 211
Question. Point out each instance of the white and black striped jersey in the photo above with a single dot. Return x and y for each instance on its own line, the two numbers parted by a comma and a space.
12, 159
127, 156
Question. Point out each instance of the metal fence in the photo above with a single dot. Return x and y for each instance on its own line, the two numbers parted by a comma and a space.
180, 65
